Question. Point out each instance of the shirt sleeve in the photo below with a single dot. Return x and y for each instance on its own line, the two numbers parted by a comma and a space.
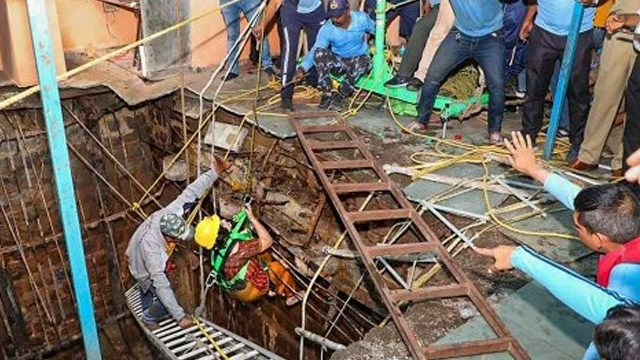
194, 191
322, 41
591, 353
562, 189
370, 26
624, 280
155, 265
583, 296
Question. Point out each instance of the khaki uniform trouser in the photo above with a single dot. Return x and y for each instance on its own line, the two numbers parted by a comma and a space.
616, 64
443, 26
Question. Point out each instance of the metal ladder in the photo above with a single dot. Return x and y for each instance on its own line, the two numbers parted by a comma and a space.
429, 243
191, 343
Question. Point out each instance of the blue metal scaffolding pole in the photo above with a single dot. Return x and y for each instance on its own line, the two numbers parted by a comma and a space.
50, 95
560, 95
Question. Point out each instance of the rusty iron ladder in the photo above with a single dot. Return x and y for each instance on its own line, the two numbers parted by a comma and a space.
392, 298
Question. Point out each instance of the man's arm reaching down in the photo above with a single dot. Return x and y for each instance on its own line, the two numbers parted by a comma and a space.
562, 189
583, 296
155, 266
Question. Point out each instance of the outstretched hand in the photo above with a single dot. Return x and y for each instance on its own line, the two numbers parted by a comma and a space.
617, 22
185, 322
523, 157
299, 75
258, 33
501, 255
249, 211
220, 165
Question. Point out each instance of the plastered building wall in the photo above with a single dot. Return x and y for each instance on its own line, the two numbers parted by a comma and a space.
209, 37
16, 49
90, 25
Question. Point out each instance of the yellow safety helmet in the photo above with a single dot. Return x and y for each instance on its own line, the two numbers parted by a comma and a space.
207, 231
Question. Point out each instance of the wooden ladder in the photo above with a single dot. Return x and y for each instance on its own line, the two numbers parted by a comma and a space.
429, 243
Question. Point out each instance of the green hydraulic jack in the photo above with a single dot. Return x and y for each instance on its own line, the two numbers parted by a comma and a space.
402, 99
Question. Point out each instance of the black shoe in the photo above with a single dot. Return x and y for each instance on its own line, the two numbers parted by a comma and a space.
230, 76
286, 104
397, 81
511, 91
271, 71
414, 84
325, 101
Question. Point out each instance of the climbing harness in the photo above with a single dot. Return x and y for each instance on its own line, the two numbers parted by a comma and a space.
240, 231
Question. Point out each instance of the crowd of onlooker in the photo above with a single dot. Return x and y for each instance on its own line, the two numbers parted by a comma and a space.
518, 44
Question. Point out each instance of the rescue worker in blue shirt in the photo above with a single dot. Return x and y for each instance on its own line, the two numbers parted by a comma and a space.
582, 295
605, 218
340, 49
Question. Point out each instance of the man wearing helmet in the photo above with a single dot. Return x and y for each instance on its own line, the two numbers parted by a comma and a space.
240, 264
147, 252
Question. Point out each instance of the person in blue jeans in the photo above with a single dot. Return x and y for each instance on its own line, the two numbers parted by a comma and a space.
605, 217
231, 15
477, 35
515, 49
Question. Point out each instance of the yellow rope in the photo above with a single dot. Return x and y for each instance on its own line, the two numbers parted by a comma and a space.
474, 154
495, 218
211, 340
